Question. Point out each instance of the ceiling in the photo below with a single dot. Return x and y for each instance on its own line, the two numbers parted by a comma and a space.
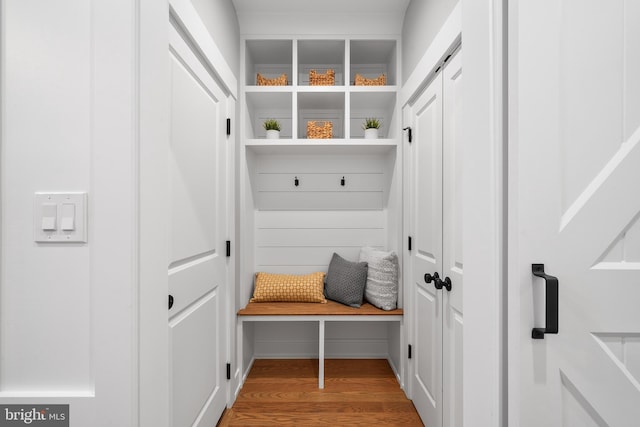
251, 12
305, 6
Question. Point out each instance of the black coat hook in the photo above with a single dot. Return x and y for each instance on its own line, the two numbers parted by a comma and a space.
296, 181
342, 181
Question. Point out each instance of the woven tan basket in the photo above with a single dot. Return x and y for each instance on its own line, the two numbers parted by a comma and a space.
381, 80
315, 131
326, 79
278, 81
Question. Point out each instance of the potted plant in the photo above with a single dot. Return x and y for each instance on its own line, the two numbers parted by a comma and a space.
371, 126
273, 128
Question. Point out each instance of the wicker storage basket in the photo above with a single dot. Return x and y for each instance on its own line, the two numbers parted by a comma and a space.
315, 131
381, 80
278, 81
326, 79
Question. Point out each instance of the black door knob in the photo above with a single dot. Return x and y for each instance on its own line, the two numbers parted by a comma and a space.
437, 282
447, 284
428, 278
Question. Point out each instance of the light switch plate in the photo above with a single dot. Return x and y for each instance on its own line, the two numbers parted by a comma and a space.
42, 211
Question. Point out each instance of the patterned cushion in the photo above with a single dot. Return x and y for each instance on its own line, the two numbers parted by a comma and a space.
289, 288
346, 281
382, 278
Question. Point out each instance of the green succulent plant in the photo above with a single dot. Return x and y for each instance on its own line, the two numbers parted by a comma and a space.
271, 124
371, 123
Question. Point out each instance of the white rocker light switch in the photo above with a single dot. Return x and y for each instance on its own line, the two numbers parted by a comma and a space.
68, 220
49, 216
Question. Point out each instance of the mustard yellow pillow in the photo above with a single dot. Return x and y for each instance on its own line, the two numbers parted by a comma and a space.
289, 288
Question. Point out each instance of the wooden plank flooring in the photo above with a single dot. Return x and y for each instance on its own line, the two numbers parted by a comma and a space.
358, 392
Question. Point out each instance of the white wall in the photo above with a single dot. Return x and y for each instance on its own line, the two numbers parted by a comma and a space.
67, 311
219, 16
422, 22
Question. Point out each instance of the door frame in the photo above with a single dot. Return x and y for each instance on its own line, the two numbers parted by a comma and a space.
485, 180
153, 240
481, 27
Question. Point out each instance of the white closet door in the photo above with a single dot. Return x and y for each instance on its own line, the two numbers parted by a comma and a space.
452, 262
197, 263
426, 219
575, 175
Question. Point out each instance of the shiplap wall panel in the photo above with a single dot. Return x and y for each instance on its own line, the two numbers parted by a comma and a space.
297, 237
321, 219
292, 269
315, 200
295, 242
320, 182
305, 256
286, 339
342, 339
319, 163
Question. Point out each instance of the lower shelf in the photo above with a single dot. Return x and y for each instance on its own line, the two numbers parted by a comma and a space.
321, 313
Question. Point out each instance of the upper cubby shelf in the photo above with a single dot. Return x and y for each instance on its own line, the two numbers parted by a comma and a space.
321, 56
263, 106
372, 58
269, 58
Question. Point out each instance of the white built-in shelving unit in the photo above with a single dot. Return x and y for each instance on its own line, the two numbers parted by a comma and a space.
288, 228
344, 104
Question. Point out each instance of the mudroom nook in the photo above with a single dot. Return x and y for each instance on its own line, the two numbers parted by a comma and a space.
307, 196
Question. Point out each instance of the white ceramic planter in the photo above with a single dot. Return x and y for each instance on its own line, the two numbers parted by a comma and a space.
371, 133
273, 134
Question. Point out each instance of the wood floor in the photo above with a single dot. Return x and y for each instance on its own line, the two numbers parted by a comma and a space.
285, 393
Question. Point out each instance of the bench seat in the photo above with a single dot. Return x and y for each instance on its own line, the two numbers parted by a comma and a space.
331, 308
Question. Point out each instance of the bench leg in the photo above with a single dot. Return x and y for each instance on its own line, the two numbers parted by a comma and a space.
321, 354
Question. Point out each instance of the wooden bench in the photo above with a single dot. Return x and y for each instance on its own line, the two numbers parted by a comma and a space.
321, 313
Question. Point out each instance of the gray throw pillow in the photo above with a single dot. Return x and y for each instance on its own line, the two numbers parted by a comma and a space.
382, 278
345, 281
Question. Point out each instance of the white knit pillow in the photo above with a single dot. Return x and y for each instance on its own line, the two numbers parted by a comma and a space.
382, 278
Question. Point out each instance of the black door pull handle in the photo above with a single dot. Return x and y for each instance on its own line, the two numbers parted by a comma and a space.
551, 304
447, 284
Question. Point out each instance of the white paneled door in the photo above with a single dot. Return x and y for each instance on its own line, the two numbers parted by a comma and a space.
197, 260
426, 254
575, 192
436, 254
